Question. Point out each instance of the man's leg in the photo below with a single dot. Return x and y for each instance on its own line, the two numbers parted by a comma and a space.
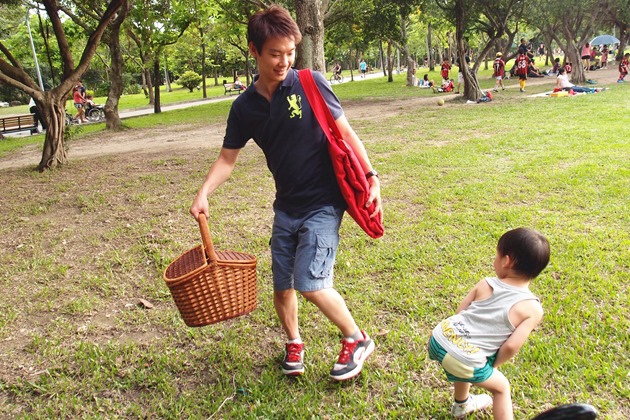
286, 304
283, 246
332, 305
313, 274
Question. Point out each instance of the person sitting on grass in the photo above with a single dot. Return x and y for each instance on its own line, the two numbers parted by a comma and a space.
491, 325
533, 71
555, 68
563, 83
447, 86
425, 82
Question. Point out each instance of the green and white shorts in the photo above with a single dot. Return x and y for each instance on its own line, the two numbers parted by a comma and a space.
457, 371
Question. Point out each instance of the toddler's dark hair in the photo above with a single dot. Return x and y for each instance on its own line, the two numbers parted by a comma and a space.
528, 249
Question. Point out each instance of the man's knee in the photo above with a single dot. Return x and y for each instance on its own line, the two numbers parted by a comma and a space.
284, 294
310, 296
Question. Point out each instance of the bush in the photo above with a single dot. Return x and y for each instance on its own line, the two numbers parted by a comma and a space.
189, 79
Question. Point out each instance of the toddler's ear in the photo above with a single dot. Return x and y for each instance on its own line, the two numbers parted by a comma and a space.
508, 262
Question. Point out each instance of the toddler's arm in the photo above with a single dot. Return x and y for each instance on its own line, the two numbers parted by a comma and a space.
481, 291
533, 315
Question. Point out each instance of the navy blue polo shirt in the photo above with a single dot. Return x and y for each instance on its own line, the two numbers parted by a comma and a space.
294, 144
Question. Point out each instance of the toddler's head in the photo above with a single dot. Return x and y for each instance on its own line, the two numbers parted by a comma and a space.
528, 250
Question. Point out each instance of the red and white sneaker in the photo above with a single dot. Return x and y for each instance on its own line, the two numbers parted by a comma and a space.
293, 363
351, 359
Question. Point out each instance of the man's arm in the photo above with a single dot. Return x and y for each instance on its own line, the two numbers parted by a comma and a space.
219, 173
355, 142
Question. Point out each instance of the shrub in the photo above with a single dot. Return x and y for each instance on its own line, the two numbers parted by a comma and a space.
190, 80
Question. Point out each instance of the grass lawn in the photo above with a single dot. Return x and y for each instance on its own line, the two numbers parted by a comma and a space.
82, 244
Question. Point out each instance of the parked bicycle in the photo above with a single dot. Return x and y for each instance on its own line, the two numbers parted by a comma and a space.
71, 120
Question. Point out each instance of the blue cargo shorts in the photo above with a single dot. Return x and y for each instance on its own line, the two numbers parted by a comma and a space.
303, 249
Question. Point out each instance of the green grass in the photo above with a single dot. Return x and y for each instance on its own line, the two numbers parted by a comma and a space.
82, 243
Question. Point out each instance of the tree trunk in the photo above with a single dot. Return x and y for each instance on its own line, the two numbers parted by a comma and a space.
380, 50
310, 52
48, 53
203, 62
623, 41
54, 152
117, 66
167, 80
472, 92
429, 46
112, 118
156, 72
390, 63
572, 55
149, 82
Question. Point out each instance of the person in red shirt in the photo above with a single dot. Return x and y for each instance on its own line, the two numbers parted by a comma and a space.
522, 64
624, 64
498, 72
446, 67
568, 67
79, 104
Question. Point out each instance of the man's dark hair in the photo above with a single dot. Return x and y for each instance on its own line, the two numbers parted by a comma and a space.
528, 249
274, 22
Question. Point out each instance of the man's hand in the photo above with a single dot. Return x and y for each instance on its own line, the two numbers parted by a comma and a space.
375, 197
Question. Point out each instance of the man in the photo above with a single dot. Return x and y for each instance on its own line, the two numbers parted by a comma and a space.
308, 206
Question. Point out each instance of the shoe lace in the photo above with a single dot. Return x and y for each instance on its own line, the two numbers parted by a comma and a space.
347, 349
293, 352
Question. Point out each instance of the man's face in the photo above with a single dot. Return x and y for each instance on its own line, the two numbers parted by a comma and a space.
275, 59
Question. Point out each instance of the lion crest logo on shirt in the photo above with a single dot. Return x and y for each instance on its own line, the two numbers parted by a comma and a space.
295, 106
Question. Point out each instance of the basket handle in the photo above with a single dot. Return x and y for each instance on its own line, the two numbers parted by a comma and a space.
206, 238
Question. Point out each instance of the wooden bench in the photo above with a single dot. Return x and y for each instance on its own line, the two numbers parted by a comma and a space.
232, 87
18, 123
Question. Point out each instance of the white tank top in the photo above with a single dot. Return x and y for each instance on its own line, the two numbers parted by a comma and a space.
477, 332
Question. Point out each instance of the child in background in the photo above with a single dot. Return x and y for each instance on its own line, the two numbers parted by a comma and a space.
604, 58
446, 67
568, 67
623, 68
498, 72
491, 325
556, 66
522, 65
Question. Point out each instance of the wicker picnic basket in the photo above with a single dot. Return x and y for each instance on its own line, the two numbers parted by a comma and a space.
211, 286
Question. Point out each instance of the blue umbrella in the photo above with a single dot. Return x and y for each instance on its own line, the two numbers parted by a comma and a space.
604, 40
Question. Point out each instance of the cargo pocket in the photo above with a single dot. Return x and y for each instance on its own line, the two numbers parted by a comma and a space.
322, 265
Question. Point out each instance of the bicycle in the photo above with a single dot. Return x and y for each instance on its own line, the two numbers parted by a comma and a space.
336, 78
71, 120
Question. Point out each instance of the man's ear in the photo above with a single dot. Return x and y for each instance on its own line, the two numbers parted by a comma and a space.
252, 50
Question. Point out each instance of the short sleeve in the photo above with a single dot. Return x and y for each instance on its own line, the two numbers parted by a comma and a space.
235, 137
331, 99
